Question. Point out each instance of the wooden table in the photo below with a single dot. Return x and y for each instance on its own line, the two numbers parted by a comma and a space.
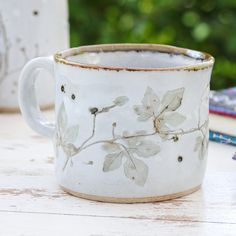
32, 204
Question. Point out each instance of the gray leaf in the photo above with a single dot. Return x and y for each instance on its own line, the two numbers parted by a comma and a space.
172, 99
140, 132
111, 147
150, 100
198, 143
136, 170
71, 133
120, 101
164, 137
143, 114
161, 125
173, 119
204, 128
62, 118
147, 148
69, 149
112, 161
203, 149
134, 138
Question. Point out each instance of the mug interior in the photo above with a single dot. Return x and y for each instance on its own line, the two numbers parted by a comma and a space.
132, 56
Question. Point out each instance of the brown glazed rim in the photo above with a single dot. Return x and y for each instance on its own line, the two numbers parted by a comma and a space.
204, 60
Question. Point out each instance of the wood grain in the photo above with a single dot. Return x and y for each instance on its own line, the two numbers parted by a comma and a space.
31, 224
31, 202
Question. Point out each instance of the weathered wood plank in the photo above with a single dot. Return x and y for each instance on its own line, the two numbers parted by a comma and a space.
28, 224
215, 202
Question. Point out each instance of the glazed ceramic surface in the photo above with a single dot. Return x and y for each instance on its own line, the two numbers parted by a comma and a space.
28, 29
131, 120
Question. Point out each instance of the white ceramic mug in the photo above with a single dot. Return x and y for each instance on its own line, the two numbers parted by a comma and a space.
28, 29
131, 120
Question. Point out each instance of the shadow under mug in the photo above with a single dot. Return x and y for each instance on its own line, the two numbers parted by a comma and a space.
131, 119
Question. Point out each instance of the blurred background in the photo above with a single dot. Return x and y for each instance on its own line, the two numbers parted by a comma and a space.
206, 25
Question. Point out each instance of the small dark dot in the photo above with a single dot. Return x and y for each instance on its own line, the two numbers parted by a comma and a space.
93, 110
133, 178
35, 13
180, 158
63, 88
175, 138
73, 96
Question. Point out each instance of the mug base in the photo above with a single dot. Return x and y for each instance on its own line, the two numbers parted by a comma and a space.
131, 200
17, 109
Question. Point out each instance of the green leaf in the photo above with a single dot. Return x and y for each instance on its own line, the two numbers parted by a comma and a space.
201, 32
172, 99
136, 170
112, 162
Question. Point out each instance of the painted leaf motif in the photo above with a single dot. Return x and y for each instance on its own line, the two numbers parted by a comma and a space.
172, 99
71, 133
201, 145
161, 126
111, 147
205, 127
164, 136
143, 114
112, 161
136, 171
201, 152
132, 141
149, 107
69, 149
198, 143
173, 119
204, 147
62, 118
147, 148
150, 100
120, 101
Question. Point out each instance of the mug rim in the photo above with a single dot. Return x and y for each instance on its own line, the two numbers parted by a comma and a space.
204, 59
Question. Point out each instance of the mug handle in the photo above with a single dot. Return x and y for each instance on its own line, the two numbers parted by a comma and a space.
27, 99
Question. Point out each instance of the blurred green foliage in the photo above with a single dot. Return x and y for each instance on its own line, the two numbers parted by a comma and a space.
206, 25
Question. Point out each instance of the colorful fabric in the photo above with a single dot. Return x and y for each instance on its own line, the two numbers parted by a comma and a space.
223, 102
